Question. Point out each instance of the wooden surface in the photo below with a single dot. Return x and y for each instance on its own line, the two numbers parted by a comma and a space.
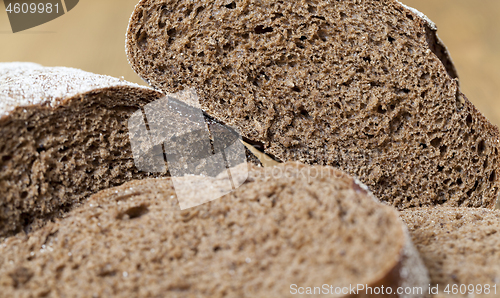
92, 37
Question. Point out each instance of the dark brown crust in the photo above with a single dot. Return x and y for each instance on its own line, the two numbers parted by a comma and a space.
415, 277
440, 50
392, 280
435, 44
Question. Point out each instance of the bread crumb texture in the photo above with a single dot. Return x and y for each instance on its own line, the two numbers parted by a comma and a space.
63, 137
291, 224
457, 245
365, 86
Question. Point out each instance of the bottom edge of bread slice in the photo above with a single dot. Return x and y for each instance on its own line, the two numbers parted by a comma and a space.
286, 231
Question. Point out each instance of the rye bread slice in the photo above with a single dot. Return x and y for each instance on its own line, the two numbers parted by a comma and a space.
63, 136
365, 86
287, 225
458, 246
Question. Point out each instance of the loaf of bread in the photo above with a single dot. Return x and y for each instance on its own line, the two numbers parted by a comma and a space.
365, 86
288, 227
459, 246
63, 136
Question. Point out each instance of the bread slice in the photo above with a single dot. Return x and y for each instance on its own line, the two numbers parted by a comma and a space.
366, 86
63, 136
287, 227
459, 246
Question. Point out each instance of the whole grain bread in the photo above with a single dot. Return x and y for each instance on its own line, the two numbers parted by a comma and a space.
287, 225
63, 136
366, 86
459, 246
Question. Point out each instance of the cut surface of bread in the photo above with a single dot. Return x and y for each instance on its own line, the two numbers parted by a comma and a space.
458, 246
63, 136
287, 225
366, 86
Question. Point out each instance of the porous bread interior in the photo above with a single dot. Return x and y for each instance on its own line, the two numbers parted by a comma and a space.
457, 245
353, 84
285, 225
53, 158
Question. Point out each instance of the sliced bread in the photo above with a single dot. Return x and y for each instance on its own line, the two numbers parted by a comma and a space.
460, 247
366, 86
64, 135
287, 228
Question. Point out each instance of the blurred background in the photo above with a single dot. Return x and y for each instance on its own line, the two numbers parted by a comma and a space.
92, 37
